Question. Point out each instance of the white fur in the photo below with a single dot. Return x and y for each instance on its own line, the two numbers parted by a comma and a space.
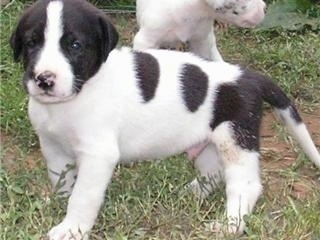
51, 59
108, 121
210, 167
242, 177
165, 22
300, 132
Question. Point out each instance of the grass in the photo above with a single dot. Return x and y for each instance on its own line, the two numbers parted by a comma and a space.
148, 200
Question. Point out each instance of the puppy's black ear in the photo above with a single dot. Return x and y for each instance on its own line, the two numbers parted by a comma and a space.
16, 44
110, 36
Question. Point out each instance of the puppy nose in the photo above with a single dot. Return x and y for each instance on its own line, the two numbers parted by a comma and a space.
45, 80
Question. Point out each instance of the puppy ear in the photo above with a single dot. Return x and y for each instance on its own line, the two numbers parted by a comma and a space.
16, 44
110, 36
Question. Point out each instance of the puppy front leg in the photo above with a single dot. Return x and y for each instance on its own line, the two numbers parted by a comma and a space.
94, 174
60, 164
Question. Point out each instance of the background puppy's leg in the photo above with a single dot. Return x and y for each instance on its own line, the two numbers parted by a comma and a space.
95, 171
61, 166
206, 46
146, 39
209, 164
242, 176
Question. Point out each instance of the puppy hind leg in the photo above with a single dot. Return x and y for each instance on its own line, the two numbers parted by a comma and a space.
242, 177
210, 168
243, 188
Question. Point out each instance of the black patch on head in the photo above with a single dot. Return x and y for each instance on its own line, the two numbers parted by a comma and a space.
88, 37
28, 37
194, 86
147, 72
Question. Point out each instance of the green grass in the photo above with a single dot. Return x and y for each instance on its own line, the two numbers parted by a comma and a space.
148, 200
13, 104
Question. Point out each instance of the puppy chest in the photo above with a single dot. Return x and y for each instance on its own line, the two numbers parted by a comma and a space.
59, 127
60, 132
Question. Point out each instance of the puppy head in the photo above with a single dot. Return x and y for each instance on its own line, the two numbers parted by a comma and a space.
243, 13
62, 44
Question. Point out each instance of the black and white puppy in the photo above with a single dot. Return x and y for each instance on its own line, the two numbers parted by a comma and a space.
92, 105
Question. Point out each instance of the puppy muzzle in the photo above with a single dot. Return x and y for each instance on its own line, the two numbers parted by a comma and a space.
45, 80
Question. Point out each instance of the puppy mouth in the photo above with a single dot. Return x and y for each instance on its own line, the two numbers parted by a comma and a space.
46, 96
57, 93
52, 98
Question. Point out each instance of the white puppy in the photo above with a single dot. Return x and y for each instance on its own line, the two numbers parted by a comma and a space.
92, 105
165, 22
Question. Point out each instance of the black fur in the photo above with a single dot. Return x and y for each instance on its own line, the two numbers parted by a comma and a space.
88, 37
295, 115
194, 86
241, 104
148, 72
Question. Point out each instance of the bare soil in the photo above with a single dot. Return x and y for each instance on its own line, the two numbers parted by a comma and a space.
280, 153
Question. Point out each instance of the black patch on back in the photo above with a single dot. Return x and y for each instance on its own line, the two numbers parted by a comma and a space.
194, 86
147, 72
272, 94
241, 104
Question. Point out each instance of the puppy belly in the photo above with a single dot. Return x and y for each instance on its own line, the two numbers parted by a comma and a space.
194, 151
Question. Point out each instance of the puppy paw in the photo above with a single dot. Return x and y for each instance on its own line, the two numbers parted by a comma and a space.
198, 189
225, 229
69, 231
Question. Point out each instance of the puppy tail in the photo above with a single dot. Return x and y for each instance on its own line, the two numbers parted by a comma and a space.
288, 113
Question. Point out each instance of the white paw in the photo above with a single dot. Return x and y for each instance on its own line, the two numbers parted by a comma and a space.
69, 231
225, 229
199, 189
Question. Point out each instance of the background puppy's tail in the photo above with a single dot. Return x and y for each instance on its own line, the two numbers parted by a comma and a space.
272, 94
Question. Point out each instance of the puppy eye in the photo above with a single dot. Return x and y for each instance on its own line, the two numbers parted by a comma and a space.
235, 12
75, 45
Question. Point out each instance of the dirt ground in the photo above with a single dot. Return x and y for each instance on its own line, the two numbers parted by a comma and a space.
279, 153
